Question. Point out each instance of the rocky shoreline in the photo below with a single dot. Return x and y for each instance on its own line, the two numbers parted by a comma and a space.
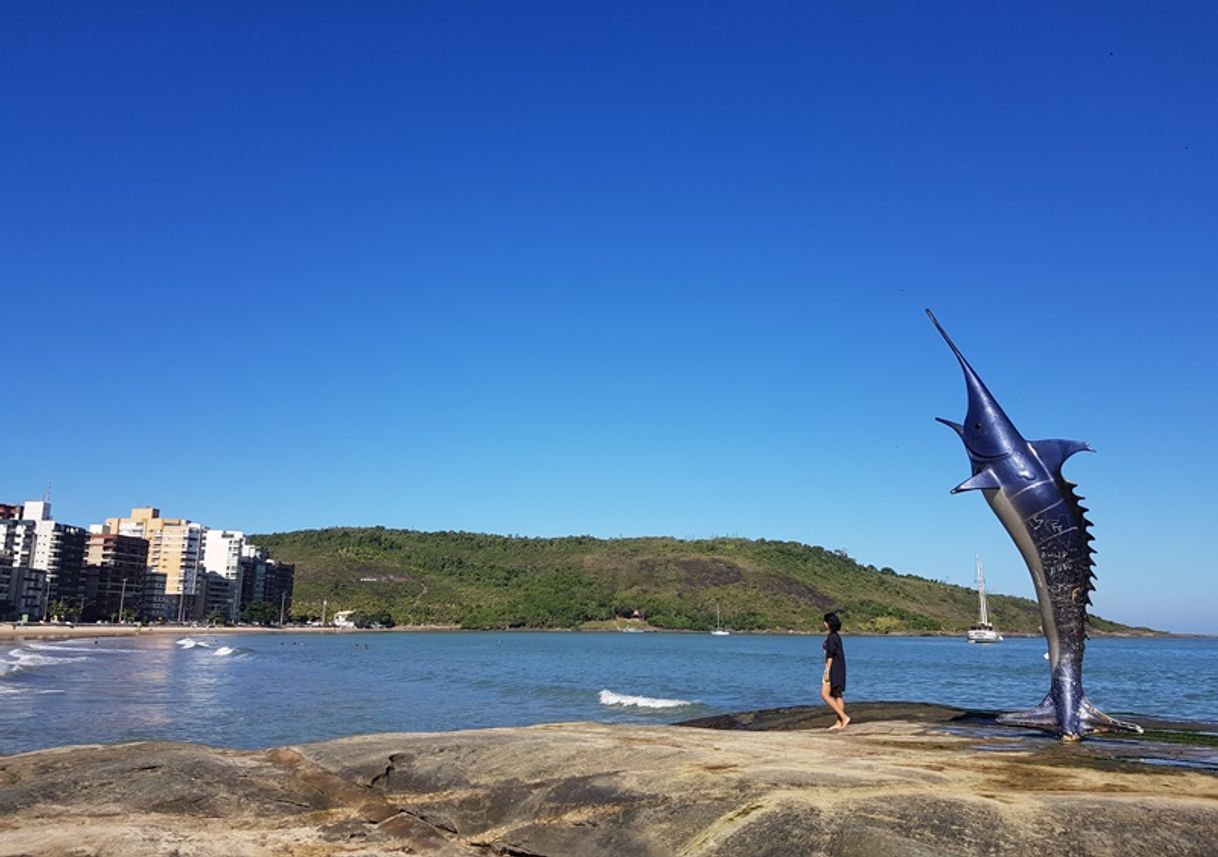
904, 779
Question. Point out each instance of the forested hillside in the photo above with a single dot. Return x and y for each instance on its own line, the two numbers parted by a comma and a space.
487, 581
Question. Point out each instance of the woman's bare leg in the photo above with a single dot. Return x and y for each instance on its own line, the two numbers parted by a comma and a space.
843, 719
835, 703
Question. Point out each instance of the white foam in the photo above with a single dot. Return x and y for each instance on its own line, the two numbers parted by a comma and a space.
28, 658
608, 697
187, 643
10, 690
61, 647
24, 658
224, 650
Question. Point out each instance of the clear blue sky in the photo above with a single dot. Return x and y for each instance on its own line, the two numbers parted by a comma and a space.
617, 269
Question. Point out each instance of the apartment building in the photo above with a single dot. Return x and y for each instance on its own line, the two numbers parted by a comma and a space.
222, 551
116, 568
36, 541
175, 547
264, 579
22, 588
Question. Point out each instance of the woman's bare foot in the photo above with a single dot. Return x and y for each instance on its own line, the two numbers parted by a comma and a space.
844, 722
837, 725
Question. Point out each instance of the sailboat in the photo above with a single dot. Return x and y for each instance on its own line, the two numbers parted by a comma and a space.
983, 631
719, 630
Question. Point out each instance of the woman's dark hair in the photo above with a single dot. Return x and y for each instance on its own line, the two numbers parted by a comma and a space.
834, 623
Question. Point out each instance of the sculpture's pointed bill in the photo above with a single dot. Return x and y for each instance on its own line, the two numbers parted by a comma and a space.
1023, 484
987, 431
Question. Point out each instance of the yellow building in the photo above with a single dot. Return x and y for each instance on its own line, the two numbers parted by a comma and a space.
175, 545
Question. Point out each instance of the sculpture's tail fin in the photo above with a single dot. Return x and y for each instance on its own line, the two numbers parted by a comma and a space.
1086, 720
1043, 716
1094, 720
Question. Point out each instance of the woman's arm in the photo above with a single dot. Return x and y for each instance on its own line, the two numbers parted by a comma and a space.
828, 664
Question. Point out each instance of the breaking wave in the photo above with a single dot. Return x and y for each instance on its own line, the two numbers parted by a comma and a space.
25, 657
608, 697
11, 690
60, 647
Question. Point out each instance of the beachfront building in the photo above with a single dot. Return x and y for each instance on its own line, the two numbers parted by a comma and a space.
175, 547
59, 551
21, 587
16, 542
156, 606
265, 580
222, 551
215, 596
115, 571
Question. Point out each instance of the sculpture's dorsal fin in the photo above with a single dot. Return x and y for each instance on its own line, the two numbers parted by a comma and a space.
1053, 453
983, 479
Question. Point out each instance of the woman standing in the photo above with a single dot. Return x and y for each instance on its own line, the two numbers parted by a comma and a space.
833, 685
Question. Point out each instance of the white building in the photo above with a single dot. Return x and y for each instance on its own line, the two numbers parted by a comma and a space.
22, 588
222, 550
58, 551
17, 543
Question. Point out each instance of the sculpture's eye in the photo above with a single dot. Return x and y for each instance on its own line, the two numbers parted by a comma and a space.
976, 426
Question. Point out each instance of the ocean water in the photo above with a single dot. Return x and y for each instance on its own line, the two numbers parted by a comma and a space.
260, 690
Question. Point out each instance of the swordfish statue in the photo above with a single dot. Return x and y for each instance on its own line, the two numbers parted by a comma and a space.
1023, 484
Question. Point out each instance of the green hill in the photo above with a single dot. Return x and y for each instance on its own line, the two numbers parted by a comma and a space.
487, 581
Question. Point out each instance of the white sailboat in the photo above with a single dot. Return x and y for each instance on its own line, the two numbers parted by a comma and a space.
983, 631
719, 630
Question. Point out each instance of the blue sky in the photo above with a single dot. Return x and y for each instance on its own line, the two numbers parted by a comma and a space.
615, 269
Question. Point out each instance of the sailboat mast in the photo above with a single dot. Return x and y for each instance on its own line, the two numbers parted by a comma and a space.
985, 613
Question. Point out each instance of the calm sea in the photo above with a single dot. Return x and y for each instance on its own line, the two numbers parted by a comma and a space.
259, 690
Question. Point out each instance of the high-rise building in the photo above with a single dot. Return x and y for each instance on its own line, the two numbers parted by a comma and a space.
216, 595
156, 606
175, 547
222, 555
33, 540
263, 579
22, 588
16, 542
57, 550
116, 567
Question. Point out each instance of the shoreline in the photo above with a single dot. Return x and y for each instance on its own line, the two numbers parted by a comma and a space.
10, 631
72, 632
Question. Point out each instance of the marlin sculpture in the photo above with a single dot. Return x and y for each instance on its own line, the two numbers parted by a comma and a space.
1022, 481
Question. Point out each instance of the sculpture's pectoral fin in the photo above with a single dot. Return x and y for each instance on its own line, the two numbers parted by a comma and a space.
1053, 453
1043, 716
1094, 720
984, 479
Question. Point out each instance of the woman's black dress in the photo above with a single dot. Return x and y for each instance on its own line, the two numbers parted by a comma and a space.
837, 670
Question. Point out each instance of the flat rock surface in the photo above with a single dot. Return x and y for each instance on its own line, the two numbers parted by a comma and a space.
914, 782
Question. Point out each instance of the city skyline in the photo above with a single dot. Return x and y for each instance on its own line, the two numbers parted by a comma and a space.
141, 568
617, 271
